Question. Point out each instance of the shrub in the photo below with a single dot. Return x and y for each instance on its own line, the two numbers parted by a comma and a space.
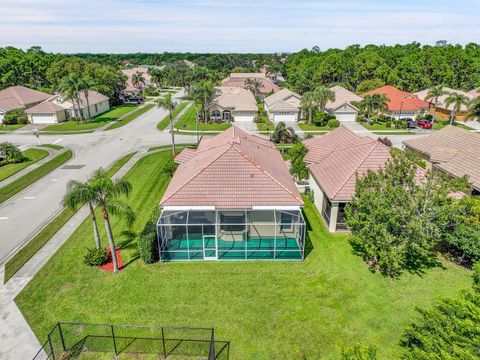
95, 257
14, 117
388, 124
476, 276
147, 244
22, 120
360, 118
334, 123
385, 141
308, 136
429, 117
360, 352
321, 118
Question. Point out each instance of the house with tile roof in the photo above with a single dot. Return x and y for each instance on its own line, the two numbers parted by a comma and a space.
343, 107
284, 105
57, 108
232, 104
238, 80
443, 110
232, 198
401, 103
335, 161
452, 150
142, 70
19, 97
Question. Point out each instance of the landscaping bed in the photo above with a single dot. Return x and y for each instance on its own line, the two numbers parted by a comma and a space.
267, 309
188, 122
305, 127
31, 156
93, 123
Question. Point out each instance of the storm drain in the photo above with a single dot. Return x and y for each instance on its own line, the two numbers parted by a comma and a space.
72, 167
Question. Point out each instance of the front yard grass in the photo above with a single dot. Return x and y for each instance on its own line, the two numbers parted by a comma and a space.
97, 121
32, 156
267, 309
12, 127
162, 125
188, 119
305, 127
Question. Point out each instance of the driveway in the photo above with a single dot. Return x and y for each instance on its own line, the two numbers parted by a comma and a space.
249, 126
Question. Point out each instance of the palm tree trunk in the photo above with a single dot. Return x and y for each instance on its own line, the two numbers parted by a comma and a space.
95, 226
74, 111
196, 122
88, 104
310, 116
111, 241
173, 135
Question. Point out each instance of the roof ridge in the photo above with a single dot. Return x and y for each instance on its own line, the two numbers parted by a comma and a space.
254, 163
198, 172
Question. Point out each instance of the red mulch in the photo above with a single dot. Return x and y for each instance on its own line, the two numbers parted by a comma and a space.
108, 266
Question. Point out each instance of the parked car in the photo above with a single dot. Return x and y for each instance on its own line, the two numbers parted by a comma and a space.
411, 124
424, 124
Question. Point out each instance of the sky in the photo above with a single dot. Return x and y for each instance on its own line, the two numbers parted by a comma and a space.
120, 26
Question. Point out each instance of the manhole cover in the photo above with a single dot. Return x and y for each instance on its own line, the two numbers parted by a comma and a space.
73, 167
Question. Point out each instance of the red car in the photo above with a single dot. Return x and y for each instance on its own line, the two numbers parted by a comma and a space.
424, 124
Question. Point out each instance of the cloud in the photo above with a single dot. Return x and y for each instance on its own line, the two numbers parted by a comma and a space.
231, 26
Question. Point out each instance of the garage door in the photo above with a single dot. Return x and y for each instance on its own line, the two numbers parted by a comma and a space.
346, 116
239, 118
44, 119
285, 117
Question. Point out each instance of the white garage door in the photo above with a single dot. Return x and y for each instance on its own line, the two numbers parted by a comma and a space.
346, 116
285, 117
239, 118
38, 119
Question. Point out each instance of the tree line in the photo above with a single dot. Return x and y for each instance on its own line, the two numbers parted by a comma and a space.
411, 67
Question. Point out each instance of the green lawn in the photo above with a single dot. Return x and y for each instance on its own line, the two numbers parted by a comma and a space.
442, 123
187, 122
130, 117
306, 127
29, 178
31, 155
99, 120
162, 125
4, 127
40, 239
52, 146
268, 310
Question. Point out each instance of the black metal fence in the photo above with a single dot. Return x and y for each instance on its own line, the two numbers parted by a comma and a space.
69, 340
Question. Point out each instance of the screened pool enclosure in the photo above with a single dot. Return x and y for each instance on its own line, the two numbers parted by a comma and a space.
187, 235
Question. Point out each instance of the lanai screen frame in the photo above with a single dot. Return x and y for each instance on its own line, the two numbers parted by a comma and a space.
184, 219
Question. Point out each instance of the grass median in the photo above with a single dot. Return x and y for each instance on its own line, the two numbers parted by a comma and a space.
31, 157
41, 238
28, 179
162, 125
132, 116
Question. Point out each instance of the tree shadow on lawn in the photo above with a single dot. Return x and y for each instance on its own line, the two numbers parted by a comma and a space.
414, 265
308, 242
129, 242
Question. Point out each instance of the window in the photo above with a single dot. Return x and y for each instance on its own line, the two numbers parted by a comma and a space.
216, 114
286, 221
227, 115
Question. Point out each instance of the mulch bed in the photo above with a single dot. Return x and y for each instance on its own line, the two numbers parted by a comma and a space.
108, 266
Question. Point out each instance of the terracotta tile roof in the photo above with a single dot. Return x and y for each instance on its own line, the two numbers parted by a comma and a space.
232, 170
338, 158
452, 149
400, 99
475, 92
441, 99
142, 70
45, 107
284, 100
20, 97
185, 155
238, 80
342, 97
234, 98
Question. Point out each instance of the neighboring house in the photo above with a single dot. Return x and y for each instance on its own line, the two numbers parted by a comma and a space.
57, 109
335, 160
277, 78
284, 105
232, 104
231, 199
19, 97
238, 80
129, 72
401, 103
442, 110
452, 150
342, 107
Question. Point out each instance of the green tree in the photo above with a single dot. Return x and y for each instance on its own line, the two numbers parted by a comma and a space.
205, 90
367, 105
368, 85
168, 104
78, 194
70, 87
9, 153
359, 352
433, 94
106, 195
253, 85
474, 110
323, 96
138, 81
380, 103
283, 134
85, 85
298, 168
396, 219
308, 104
456, 100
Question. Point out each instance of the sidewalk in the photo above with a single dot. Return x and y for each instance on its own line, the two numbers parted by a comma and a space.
17, 340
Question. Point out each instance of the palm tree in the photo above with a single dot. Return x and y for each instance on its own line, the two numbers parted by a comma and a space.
309, 102
78, 194
70, 88
253, 85
138, 81
195, 94
9, 153
282, 134
156, 76
105, 195
457, 100
433, 94
474, 110
85, 85
380, 103
367, 105
168, 104
205, 90
323, 95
